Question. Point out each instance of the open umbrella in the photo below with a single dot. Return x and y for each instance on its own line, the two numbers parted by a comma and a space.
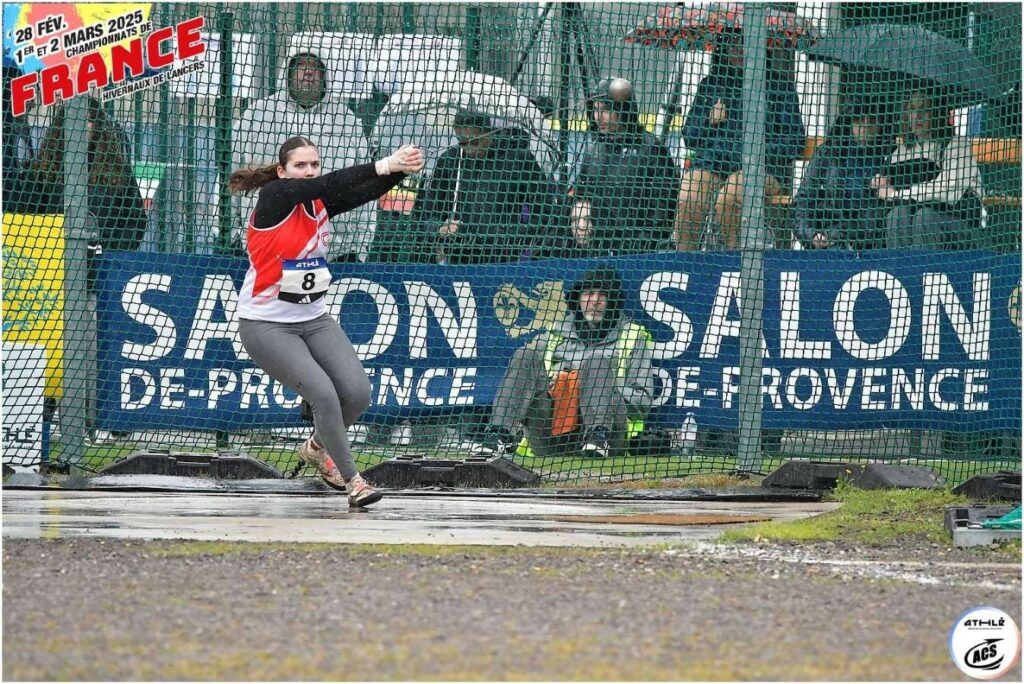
422, 113
930, 59
677, 27
696, 28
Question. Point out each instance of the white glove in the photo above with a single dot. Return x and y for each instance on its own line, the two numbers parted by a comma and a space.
407, 159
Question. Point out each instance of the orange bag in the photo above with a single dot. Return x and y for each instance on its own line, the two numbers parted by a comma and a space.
565, 394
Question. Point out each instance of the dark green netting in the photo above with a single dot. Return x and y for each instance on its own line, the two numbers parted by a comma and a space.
882, 267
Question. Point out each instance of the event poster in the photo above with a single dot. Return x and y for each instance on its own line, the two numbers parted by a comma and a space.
112, 50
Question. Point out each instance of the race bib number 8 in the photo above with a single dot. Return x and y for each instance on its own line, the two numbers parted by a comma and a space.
304, 280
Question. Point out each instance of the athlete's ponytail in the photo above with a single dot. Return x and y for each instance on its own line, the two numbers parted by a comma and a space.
254, 178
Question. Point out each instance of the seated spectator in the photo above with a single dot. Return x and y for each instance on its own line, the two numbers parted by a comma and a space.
713, 185
488, 200
114, 198
932, 180
584, 385
305, 104
835, 206
627, 181
581, 229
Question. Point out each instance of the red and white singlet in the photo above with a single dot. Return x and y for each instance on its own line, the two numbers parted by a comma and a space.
288, 274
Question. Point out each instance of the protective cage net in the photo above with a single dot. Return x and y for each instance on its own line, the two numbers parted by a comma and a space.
583, 277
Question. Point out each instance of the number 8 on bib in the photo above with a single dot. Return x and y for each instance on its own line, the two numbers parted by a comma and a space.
304, 280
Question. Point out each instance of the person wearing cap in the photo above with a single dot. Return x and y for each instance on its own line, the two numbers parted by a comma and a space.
626, 188
307, 102
488, 200
713, 133
835, 205
585, 385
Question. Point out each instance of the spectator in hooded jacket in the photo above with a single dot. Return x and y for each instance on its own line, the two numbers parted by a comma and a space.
306, 104
488, 200
835, 206
598, 354
626, 188
713, 132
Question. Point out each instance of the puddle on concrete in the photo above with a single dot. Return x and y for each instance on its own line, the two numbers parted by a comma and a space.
396, 520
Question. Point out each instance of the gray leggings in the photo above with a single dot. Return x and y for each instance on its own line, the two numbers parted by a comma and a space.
316, 360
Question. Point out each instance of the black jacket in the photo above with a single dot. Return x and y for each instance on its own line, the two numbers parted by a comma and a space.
719, 149
835, 197
505, 203
632, 185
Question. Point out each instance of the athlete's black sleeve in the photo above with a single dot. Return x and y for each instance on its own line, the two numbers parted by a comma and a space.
342, 190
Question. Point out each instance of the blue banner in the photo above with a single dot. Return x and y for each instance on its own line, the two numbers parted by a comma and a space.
923, 340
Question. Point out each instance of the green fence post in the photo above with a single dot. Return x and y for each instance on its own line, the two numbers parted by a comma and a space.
352, 16
225, 105
328, 17
565, 85
137, 127
408, 18
163, 141
753, 239
225, 109
189, 241
191, 223
473, 38
272, 50
78, 324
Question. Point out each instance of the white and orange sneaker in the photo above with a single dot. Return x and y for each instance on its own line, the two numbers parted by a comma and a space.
312, 454
362, 493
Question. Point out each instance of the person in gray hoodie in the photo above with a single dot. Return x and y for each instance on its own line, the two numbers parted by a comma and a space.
307, 103
611, 355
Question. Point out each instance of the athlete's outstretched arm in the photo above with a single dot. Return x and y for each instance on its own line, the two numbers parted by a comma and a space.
341, 190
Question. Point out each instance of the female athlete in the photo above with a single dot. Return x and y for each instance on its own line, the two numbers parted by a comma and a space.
283, 320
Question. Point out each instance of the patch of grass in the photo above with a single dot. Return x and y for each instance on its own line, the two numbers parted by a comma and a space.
217, 548
869, 516
696, 481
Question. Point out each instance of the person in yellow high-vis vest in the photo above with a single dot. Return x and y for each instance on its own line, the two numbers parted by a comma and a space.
585, 385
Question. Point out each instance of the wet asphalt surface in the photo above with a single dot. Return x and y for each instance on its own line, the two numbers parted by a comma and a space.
411, 518
108, 609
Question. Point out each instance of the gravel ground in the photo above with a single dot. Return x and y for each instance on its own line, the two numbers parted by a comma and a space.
98, 609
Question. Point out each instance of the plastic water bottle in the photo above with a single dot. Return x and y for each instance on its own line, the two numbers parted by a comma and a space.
357, 433
688, 436
401, 434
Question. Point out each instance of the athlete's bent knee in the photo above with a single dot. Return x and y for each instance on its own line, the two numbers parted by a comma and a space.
357, 399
